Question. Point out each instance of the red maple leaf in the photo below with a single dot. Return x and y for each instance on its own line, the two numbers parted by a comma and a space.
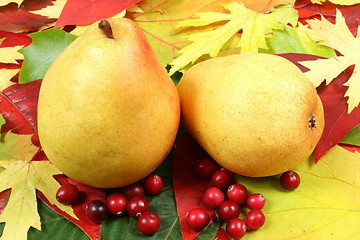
11, 15
308, 10
82, 12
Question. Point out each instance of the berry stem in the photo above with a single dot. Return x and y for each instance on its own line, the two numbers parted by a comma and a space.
105, 26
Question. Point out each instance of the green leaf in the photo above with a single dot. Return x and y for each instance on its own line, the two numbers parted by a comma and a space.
209, 232
295, 40
43, 50
353, 137
2, 120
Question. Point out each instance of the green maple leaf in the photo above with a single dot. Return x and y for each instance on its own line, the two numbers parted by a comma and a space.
23, 177
255, 27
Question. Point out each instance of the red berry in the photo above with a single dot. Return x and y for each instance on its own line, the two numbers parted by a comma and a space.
96, 211
133, 191
255, 201
238, 193
255, 219
148, 223
137, 206
116, 203
236, 228
67, 194
197, 219
221, 179
228, 210
290, 180
205, 167
153, 184
213, 197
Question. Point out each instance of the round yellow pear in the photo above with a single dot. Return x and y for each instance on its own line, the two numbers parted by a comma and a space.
108, 112
255, 114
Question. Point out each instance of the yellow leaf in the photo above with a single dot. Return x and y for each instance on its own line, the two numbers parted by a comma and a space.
254, 25
6, 2
5, 76
10, 54
339, 37
23, 177
52, 11
325, 206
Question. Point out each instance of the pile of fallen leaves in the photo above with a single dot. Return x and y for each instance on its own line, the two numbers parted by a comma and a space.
320, 37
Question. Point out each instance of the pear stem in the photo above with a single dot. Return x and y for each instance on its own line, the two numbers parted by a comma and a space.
105, 26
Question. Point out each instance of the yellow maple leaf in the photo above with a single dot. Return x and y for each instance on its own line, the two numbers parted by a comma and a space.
6, 2
5, 76
52, 11
339, 2
23, 177
325, 206
10, 54
255, 26
339, 37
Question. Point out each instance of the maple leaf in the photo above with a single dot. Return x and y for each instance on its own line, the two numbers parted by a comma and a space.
10, 54
23, 177
51, 11
254, 26
5, 76
339, 37
6, 2
340, 2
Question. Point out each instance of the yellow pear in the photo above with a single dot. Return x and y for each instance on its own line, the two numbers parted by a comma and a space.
108, 112
255, 114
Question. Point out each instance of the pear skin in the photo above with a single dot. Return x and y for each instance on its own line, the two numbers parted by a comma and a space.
108, 112
255, 114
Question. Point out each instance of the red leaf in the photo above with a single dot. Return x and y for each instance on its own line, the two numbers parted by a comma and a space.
4, 198
18, 105
308, 10
222, 235
337, 122
14, 39
11, 15
87, 193
81, 12
188, 188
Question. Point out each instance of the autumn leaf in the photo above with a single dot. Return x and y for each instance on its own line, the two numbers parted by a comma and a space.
340, 38
187, 187
324, 206
82, 12
6, 2
340, 2
10, 54
16, 147
2, 121
353, 137
43, 50
254, 27
51, 11
24, 177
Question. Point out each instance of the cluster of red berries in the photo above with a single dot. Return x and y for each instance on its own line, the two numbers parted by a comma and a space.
227, 197
131, 200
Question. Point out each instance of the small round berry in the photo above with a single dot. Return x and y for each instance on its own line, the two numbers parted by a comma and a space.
238, 193
137, 206
197, 219
148, 223
221, 179
255, 201
153, 184
133, 191
228, 210
205, 167
290, 180
96, 211
255, 219
67, 194
213, 197
236, 228
116, 203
